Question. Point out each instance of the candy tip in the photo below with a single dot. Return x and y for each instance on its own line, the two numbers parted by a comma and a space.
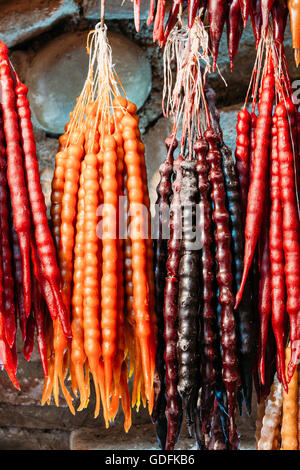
262, 372
127, 426
16, 383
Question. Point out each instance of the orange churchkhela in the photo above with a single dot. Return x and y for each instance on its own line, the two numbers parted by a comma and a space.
139, 251
107, 278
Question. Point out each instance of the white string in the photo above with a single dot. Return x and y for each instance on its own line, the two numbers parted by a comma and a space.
188, 49
101, 85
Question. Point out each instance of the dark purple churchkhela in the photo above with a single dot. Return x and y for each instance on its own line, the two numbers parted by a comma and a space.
174, 405
230, 371
208, 311
244, 313
164, 191
206, 345
188, 303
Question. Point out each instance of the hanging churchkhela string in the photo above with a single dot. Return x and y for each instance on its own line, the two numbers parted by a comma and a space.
198, 268
101, 158
218, 13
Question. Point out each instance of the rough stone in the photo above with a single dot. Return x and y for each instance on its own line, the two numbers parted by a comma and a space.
46, 417
21, 62
246, 425
58, 72
34, 439
139, 437
34, 416
21, 21
90, 434
151, 111
114, 9
228, 119
30, 378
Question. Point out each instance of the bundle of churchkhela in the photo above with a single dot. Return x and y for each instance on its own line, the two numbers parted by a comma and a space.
208, 347
215, 14
106, 266
267, 154
29, 274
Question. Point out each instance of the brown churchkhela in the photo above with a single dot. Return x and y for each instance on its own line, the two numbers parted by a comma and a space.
230, 372
208, 313
188, 297
164, 191
173, 405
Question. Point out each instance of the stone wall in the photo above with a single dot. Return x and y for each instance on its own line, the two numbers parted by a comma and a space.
47, 48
